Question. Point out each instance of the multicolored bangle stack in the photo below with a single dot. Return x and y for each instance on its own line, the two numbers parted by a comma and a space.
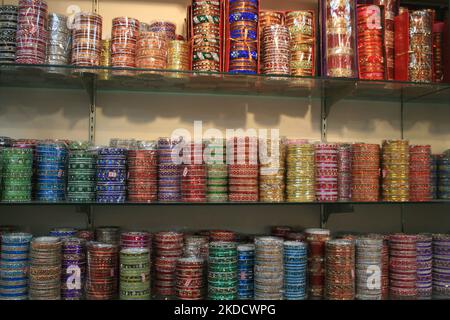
14, 263
340, 32
269, 269
45, 268
87, 39
8, 29
243, 20
32, 34
420, 68
302, 42
370, 43
206, 48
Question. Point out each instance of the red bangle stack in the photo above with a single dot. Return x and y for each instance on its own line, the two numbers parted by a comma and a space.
340, 270
403, 266
221, 236
102, 271
143, 175
316, 239
136, 240
365, 172
326, 163
124, 36
340, 51
390, 8
276, 50
243, 169
190, 280
168, 248
32, 34
87, 40
420, 173
151, 51
370, 43
193, 174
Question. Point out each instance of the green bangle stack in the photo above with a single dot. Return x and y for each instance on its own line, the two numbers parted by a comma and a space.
217, 173
81, 181
17, 172
222, 271
135, 274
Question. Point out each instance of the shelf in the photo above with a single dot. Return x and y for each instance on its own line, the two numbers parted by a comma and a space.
205, 83
331, 204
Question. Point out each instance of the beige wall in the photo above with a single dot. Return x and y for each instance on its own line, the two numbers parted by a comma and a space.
64, 114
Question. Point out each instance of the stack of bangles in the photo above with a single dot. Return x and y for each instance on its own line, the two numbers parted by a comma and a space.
243, 20
340, 50
370, 43
206, 48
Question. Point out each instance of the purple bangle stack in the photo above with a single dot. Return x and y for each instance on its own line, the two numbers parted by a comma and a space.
111, 175
169, 172
73, 269
441, 266
424, 266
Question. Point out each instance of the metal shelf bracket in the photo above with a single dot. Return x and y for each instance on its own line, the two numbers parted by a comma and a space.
90, 83
326, 210
88, 210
